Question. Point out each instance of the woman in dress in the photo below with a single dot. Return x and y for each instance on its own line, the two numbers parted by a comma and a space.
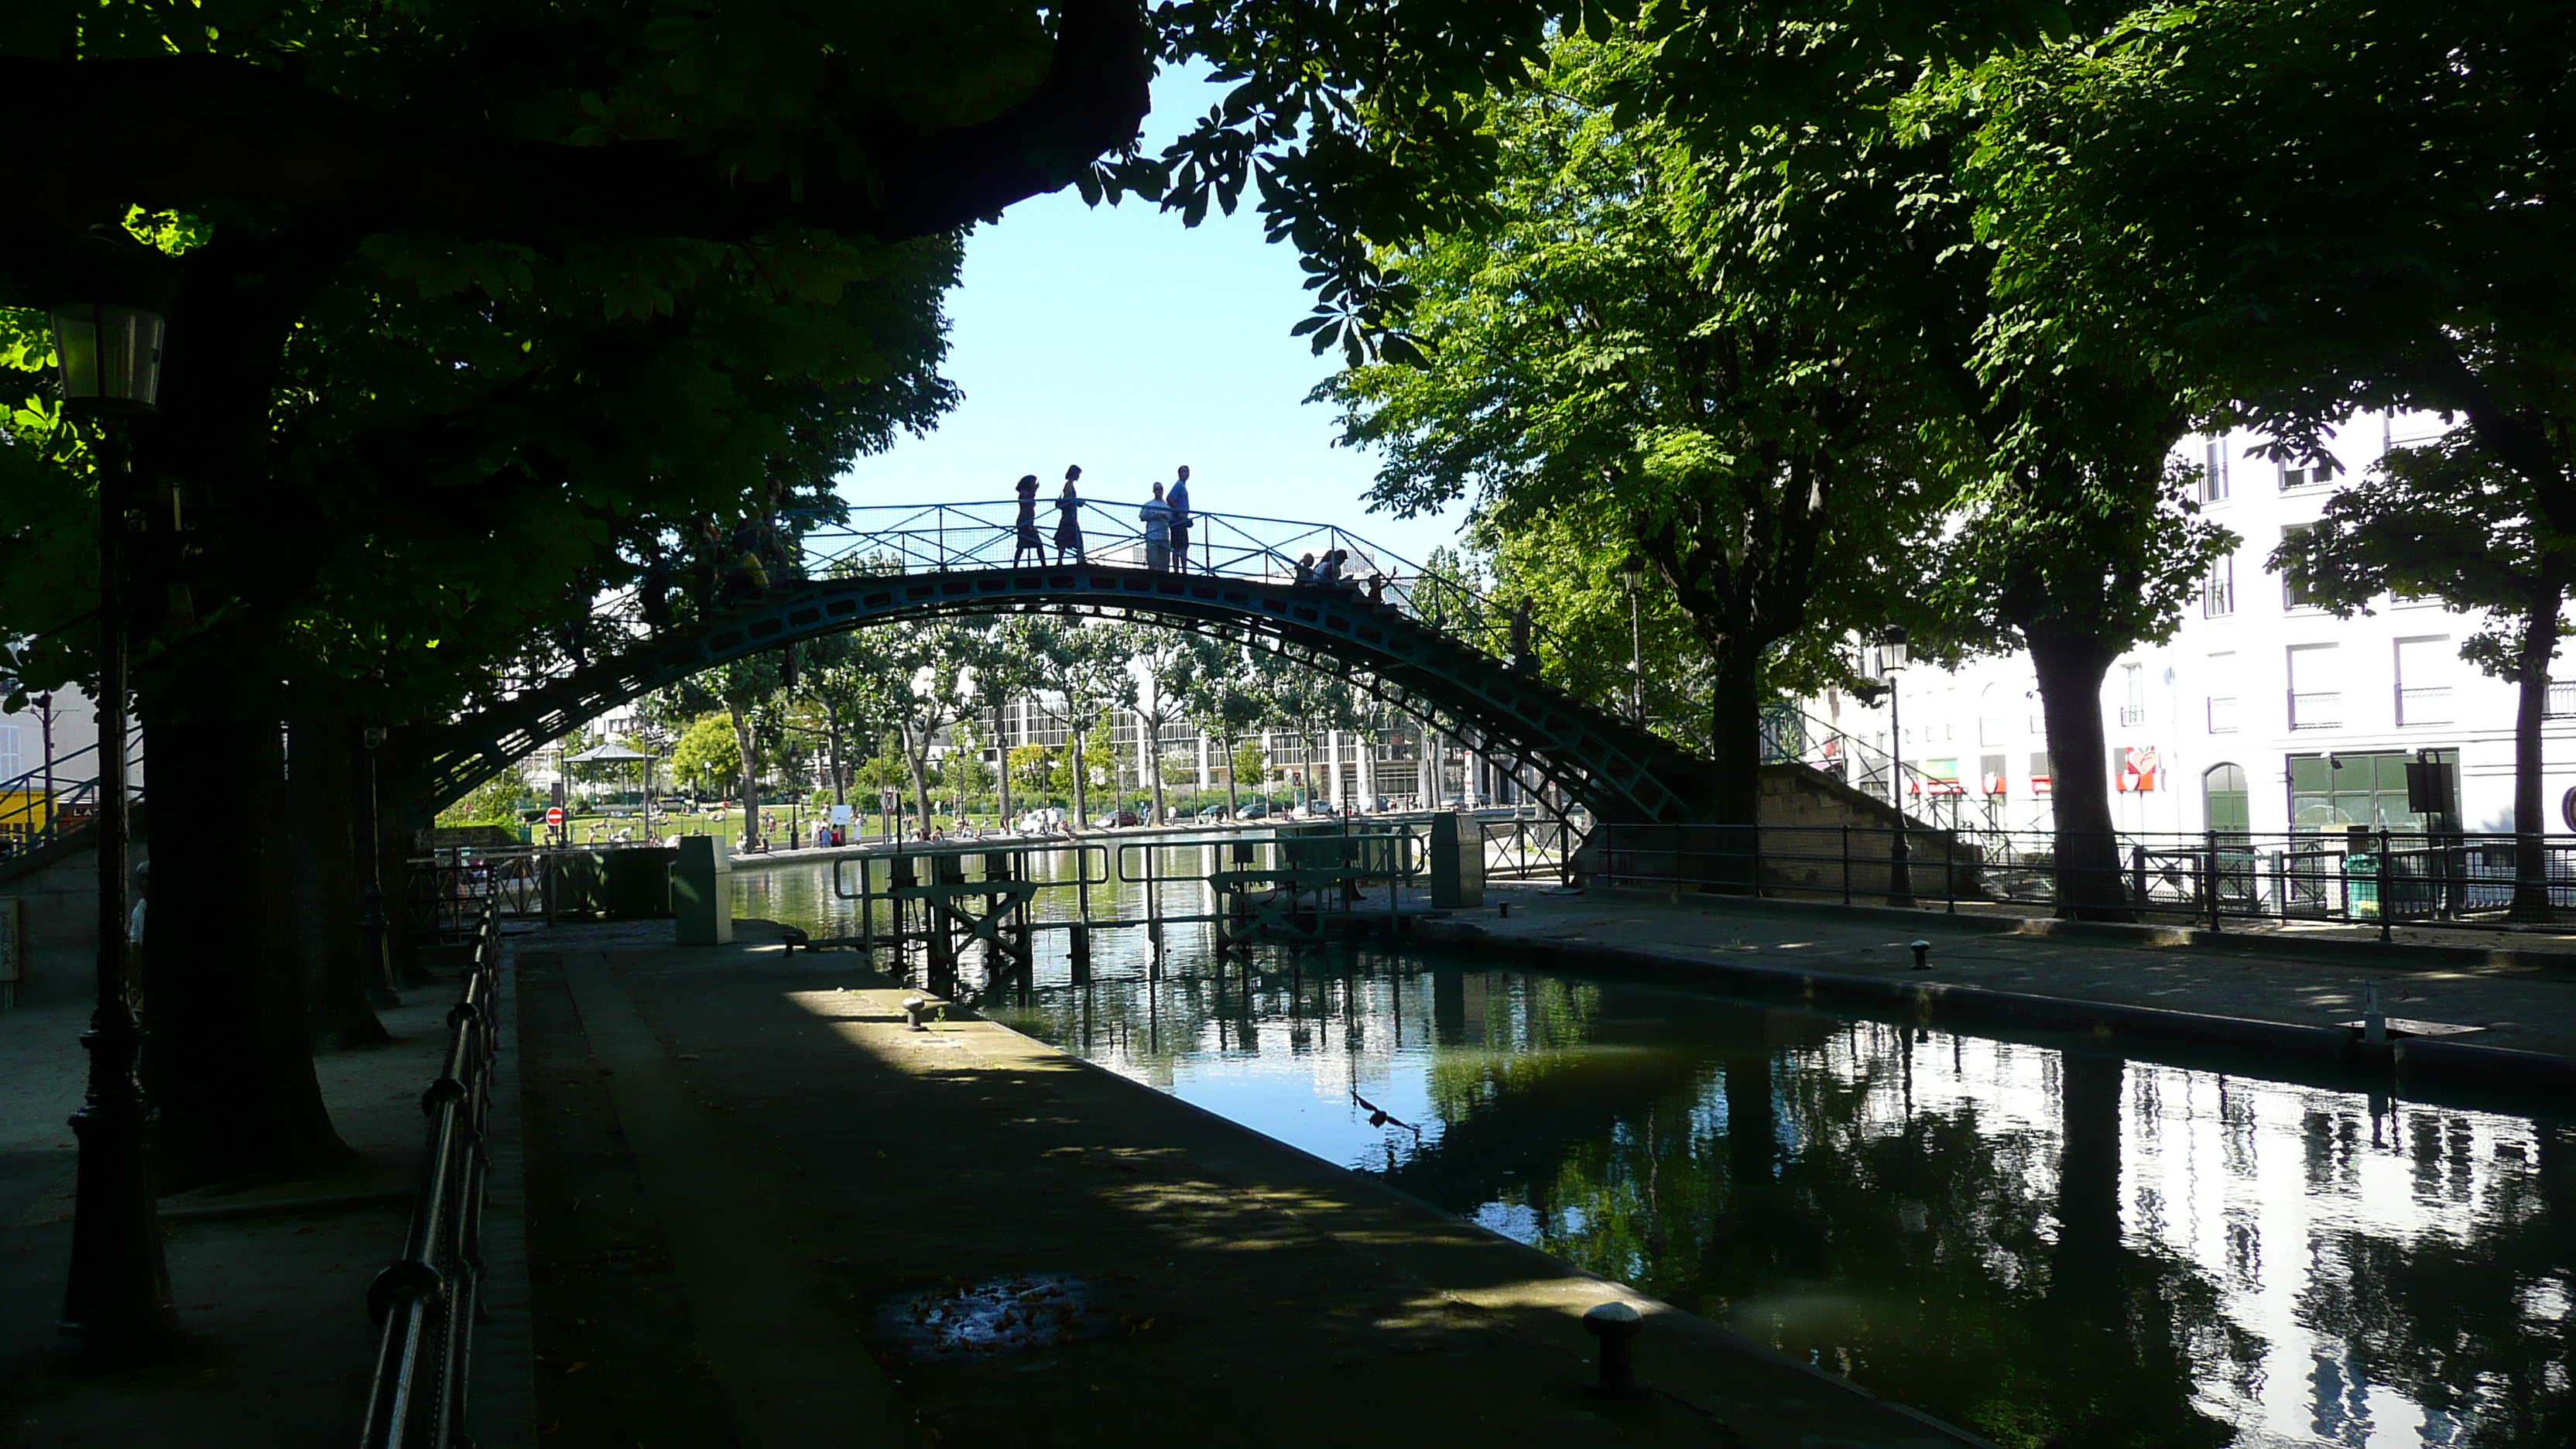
1028, 541
1068, 519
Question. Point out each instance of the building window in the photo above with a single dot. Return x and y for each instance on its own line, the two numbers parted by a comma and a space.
2218, 591
2226, 806
2316, 695
2043, 773
2213, 473
2222, 707
2337, 791
2306, 475
9, 747
2424, 680
2295, 593
2133, 695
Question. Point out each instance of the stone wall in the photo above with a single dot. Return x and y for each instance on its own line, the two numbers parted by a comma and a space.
58, 923
1818, 836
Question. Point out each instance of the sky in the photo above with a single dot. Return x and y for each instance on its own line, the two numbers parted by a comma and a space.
1118, 339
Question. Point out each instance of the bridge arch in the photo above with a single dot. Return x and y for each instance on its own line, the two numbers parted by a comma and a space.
1620, 772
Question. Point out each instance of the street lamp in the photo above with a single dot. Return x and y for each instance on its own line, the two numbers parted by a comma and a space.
116, 1293
1900, 865
1632, 572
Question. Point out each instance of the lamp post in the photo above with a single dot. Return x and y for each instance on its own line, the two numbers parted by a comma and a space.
116, 1293
373, 926
1900, 853
1632, 572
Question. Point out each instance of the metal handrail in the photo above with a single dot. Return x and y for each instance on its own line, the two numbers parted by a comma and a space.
425, 1300
2356, 875
64, 803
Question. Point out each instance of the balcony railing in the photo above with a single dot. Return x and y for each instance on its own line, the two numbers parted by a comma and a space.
2316, 709
2222, 714
2562, 699
2132, 715
2428, 706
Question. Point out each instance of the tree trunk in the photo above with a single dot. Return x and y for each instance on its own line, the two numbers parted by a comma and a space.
750, 775
840, 777
915, 758
2530, 820
1001, 766
2090, 884
1149, 757
1081, 810
227, 1055
1233, 802
1735, 768
323, 779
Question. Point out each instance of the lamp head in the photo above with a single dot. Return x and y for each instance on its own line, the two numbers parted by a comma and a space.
1892, 651
1632, 571
109, 329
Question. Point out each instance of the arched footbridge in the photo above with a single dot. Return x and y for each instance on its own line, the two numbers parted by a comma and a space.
1419, 645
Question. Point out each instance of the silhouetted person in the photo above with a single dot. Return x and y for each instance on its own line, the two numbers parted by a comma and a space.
1179, 499
1156, 515
1028, 540
1524, 646
1068, 519
1305, 569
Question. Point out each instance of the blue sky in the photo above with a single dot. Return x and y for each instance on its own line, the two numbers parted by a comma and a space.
1121, 340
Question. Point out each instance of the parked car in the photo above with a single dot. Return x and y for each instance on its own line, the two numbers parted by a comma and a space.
1118, 819
1212, 814
1254, 810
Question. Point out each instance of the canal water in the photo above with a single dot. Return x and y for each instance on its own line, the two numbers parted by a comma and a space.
2044, 1246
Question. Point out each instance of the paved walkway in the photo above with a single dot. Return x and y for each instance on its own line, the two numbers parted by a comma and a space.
755, 1194
270, 1278
2522, 1004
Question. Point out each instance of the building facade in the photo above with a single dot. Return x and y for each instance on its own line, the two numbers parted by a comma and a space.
2263, 713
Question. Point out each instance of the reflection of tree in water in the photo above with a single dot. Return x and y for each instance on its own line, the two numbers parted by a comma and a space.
1916, 1256
2474, 1326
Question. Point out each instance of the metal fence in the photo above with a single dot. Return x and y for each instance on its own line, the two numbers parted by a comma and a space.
58, 797
424, 1301
2359, 875
447, 891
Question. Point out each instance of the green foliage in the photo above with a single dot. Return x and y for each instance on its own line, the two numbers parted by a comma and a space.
2442, 521
708, 757
1251, 766
1033, 767
496, 801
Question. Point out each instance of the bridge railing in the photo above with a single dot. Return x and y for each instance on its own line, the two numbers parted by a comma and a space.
42, 805
424, 1301
895, 539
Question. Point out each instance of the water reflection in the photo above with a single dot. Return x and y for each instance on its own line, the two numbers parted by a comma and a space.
2045, 1246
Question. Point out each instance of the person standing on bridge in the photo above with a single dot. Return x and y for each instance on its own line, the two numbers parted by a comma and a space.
1028, 541
1524, 652
1157, 518
1068, 519
1179, 498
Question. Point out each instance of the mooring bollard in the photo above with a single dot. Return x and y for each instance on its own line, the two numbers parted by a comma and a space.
2374, 1021
1922, 951
1503, 910
913, 1007
1615, 1324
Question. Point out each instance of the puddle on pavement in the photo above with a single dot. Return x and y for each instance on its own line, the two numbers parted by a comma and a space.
1003, 1315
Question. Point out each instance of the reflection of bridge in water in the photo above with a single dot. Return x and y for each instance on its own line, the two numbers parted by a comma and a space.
1420, 642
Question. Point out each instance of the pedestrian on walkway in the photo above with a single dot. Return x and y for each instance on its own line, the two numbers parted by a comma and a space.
1156, 515
1524, 650
1179, 498
1068, 519
1028, 541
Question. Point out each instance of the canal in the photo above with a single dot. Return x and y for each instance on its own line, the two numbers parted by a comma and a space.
2042, 1245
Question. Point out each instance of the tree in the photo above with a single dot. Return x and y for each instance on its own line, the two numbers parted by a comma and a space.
1164, 665
1667, 348
1083, 675
1219, 695
2448, 521
709, 754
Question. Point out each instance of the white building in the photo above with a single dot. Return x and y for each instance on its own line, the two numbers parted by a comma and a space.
2261, 713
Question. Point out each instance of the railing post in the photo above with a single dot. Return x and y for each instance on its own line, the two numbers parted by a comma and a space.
1847, 899
2211, 878
2138, 877
2387, 896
